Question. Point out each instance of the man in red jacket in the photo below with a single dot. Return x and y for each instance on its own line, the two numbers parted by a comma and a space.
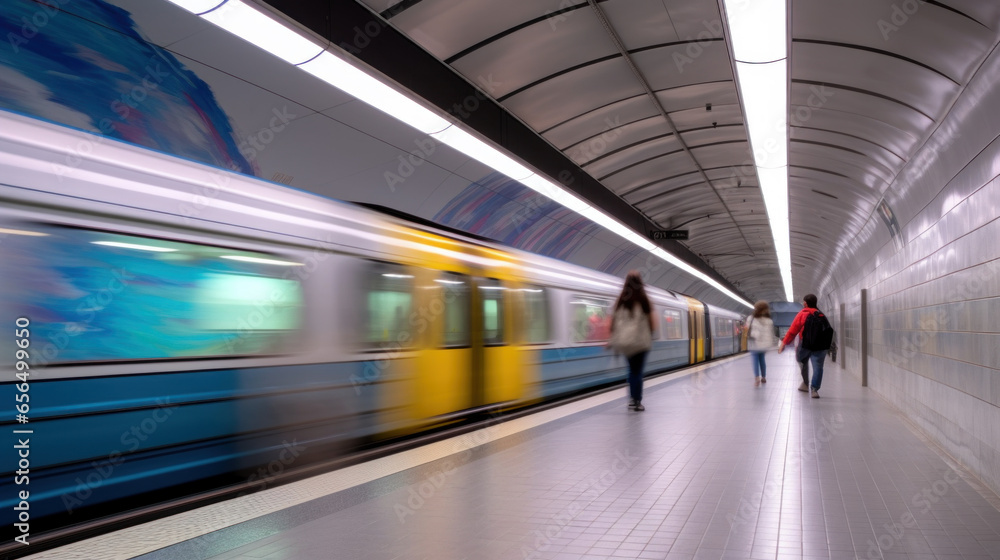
802, 355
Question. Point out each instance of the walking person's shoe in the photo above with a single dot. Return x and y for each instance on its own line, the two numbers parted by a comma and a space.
639, 407
756, 382
631, 403
815, 393
763, 379
804, 388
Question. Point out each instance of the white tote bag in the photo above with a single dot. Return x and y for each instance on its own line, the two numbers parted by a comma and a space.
631, 333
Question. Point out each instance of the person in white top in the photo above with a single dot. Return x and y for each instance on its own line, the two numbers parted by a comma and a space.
760, 339
632, 325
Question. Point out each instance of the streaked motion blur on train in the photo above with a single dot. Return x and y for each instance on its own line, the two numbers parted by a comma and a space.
188, 327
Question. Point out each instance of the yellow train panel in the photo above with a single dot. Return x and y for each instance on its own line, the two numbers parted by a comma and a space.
442, 382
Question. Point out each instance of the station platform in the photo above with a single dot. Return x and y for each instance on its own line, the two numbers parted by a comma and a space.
713, 468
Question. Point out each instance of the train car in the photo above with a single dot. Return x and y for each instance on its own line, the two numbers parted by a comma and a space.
187, 327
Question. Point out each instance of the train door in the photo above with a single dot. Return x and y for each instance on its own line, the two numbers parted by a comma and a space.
496, 357
696, 330
692, 336
444, 382
709, 334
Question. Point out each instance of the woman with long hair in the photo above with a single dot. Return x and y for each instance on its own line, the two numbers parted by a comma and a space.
632, 327
760, 339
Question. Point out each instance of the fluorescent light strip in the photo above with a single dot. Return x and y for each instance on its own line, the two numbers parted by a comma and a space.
288, 44
4, 231
259, 260
342, 75
758, 29
264, 31
759, 40
481, 151
134, 246
766, 107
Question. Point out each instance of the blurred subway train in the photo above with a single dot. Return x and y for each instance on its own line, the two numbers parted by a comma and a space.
182, 326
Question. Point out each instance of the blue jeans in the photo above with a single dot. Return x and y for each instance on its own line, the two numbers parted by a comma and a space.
759, 366
817, 357
635, 364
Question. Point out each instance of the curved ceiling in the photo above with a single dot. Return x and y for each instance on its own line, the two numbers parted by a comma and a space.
641, 95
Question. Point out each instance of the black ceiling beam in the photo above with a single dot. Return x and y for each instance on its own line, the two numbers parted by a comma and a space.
356, 29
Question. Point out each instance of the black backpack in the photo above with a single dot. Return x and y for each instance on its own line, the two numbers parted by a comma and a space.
817, 334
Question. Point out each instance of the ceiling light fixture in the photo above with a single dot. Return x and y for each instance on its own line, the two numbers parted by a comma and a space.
135, 246
258, 260
244, 20
4, 231
267, 33
757, 30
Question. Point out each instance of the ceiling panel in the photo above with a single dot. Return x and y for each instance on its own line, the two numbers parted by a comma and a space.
700, 117
657, 188
986, 13
692, 18
851, 125
641, 23
729, 174
721, 155
846, 190
876, 153
845, 158
557, 100
642, 152
638, 175
719, 135
608, 141
692, 202
447, 27
829, 97
908, 83
600, 120
513, 61
722, 92
932, 35
672, 66
835, 162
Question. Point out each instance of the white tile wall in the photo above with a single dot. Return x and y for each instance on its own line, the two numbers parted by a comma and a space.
934, 306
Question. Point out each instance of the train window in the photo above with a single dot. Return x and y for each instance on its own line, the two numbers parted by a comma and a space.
492, 294
536, 316
673, 328
455, 296
723, 328
390, 306
591, 320
101, 296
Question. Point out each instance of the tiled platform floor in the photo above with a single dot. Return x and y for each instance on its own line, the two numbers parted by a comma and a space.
714, 468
